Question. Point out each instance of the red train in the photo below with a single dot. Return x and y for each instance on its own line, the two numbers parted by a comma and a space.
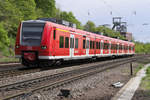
45, 42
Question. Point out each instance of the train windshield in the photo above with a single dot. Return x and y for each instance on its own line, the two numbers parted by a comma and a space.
32, 34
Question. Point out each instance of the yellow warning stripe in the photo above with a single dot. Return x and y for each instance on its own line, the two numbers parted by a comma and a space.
61, 30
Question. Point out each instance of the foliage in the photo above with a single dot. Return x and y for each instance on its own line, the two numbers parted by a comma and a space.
145, 84
90, 26
71, 18
47, 6
142, 48
109, 32
14, 11
148, 71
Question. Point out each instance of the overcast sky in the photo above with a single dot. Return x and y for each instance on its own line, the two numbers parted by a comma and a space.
134, 12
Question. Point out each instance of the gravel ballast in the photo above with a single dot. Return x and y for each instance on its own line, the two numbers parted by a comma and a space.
20, 78
95, 87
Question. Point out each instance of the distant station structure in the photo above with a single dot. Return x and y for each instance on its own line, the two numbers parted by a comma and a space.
121, 27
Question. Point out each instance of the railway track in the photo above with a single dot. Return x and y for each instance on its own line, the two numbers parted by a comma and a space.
16, 72
9, 63
24, 88
16, 69
12, 69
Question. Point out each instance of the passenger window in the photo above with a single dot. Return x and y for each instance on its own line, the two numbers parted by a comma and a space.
91, 45
112, 45
83, 44
76, 43
106, 45
66, 42
98, 45
61, 42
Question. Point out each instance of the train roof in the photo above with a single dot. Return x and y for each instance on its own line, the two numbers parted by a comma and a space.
89, 33
81, 31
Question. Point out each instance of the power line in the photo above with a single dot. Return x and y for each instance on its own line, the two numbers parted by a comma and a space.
111, 8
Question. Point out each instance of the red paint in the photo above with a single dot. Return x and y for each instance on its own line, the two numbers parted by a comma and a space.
53, 45
29, 56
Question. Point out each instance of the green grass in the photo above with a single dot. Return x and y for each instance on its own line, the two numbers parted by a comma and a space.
145, 84
138, 68
9, 59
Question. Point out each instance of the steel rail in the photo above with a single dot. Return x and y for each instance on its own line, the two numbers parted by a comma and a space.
127, 60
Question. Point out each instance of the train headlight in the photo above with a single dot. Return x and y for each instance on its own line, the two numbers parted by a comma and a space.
43, 47
17, 46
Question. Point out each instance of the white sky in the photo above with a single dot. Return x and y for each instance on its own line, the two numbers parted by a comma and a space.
100, 13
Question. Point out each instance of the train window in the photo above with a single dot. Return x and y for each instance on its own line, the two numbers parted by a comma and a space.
83, 44
61, 42
106, 46
66, 42
87, 44
117, 46
120, 47
125, 47
112, 46
76, 43
96, 45
54, 35
91, 45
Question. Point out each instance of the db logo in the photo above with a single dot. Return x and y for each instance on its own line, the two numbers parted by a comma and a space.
29, 48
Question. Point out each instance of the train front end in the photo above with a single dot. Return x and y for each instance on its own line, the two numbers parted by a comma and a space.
32, 41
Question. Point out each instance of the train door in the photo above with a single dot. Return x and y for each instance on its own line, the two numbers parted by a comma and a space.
109, 47
53, 41
87, 46
122, 48
101, 48
117, 48
94, 46
128, 49
71, 45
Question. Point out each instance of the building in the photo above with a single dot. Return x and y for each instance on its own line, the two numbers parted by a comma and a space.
127, 35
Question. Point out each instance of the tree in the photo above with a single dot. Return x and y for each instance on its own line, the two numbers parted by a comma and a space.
109, 32
47, 6
71, 18
26, 7
90, 26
